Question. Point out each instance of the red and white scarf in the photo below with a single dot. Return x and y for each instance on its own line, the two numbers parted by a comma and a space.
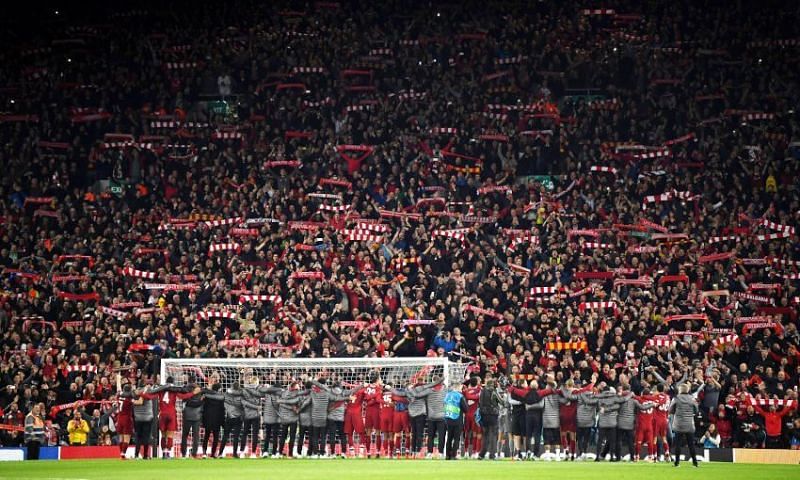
276, 299
660, 341
776, 226
583, 306
603, 169
362, 236
725, 340
690, 316
226, 314
754, 298
483, 311
112, 312
220, 247
132, 272
667, 196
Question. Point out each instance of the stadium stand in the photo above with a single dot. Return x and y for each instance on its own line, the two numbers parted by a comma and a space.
584, 199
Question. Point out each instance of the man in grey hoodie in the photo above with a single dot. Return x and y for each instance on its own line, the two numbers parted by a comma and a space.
192, 416
551, 421
626, 420
288, 410
143, 420
683, 409
585, 419
269, 394
433, 394
417, 413
233, 418
304, 417
320, 402
336, 410
608, 403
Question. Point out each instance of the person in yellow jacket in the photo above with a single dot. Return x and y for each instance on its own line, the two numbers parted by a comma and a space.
78, 430
771, 185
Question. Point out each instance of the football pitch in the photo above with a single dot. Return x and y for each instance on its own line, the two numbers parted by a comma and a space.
381, 470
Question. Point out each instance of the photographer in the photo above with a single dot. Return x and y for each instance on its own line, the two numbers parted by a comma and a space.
750, 431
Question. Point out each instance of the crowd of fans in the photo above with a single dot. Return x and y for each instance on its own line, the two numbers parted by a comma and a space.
539, 188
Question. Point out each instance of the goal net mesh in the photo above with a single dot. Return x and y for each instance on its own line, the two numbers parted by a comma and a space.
281, 372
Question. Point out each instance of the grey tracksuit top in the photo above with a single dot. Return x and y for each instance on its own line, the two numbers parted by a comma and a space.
626, 417
288, 403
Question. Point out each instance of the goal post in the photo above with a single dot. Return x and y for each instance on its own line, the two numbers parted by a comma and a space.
282, 372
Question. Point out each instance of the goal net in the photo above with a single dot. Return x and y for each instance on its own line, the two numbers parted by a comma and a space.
282, 372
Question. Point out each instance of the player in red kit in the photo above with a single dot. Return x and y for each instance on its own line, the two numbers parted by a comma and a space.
373, 396
353, 421
401, 423
387, 416
167, 396
660, 420
472, 431
644, 429
568, 420
124, 420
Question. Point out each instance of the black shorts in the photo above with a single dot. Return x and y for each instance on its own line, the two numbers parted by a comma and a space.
532, 423
552, 436
518, 422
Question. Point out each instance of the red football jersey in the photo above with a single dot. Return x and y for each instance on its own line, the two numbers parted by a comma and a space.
568, 412
125, 408
645, 417
355, 403
387, 404
166, 402
662, 402
373, 395
472, 395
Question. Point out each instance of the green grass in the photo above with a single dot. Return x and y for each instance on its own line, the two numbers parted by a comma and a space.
381, 470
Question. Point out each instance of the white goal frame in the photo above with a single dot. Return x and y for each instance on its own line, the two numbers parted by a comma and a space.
362, 362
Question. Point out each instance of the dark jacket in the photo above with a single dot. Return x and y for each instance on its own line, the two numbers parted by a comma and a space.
213, 408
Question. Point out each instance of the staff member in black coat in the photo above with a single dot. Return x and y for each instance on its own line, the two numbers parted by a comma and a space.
213, 419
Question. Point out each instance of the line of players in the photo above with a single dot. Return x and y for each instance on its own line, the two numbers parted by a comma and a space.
564, 418
376, 420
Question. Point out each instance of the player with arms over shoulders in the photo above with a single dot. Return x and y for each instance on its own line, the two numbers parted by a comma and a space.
167, 396
386, 418
354, 422
644, 429
373, 397
472, 431
124, 420
401, 422
661, 419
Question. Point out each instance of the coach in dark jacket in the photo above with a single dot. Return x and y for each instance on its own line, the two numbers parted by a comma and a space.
192, 416
489, 404
213, 417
